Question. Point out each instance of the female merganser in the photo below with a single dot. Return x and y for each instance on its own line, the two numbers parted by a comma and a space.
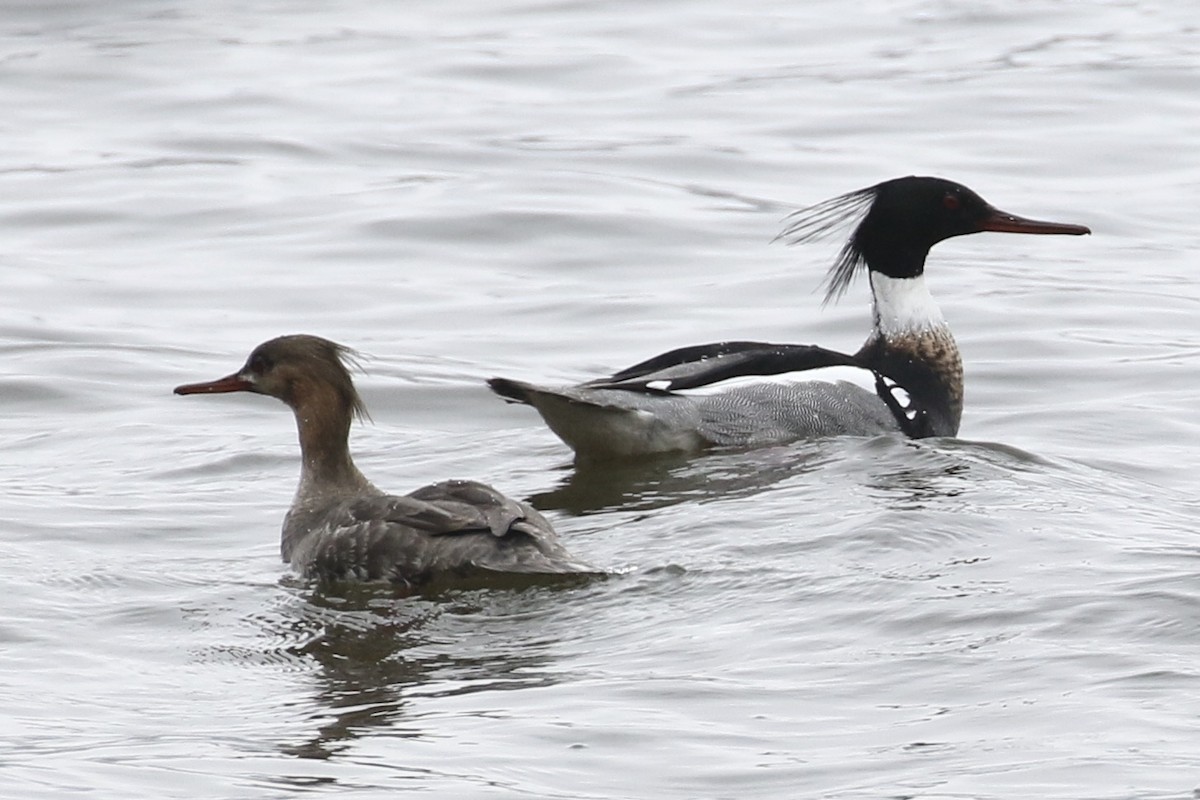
342, 527
907, 377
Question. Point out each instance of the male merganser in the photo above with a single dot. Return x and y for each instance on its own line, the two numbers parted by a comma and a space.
342, 527
907, 377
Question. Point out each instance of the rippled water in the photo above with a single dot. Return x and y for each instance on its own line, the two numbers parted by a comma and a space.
552, 191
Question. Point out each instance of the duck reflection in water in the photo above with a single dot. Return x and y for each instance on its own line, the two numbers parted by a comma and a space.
903, 471
672, 479
374, 652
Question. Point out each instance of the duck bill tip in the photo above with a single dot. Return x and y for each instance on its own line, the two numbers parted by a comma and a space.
1003, 222
230, 383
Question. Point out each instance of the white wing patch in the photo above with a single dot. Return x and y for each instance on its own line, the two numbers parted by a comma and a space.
901, 396
858, 376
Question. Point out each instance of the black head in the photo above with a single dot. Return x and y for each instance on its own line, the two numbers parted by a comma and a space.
292, 368
903, 219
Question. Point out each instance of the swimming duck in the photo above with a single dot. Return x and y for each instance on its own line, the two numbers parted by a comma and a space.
907, 377
341, 527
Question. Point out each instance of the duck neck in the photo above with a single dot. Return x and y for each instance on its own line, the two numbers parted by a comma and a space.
327, 472
903, 307
912, 345
324, 427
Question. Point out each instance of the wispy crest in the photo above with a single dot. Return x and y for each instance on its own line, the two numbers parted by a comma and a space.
828, 217
352, 361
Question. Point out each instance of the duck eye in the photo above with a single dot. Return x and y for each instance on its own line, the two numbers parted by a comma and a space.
951, 202
259, 364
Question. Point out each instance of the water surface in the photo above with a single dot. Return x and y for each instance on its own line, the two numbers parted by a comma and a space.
552, 191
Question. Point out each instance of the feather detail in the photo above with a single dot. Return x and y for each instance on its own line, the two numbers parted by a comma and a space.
351, 360
828, 217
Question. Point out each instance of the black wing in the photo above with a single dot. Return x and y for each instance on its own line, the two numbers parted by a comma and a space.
700, 365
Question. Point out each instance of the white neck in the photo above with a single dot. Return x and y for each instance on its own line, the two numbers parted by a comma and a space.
903, 306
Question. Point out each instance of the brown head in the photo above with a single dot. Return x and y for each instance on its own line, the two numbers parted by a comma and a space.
312, 376
297, 369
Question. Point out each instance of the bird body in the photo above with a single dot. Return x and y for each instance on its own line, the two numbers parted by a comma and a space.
340, 526
907, 377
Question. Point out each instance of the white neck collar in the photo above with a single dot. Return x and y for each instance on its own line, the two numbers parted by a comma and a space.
903, 306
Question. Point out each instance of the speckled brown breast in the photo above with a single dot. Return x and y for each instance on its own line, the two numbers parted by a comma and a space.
928, 366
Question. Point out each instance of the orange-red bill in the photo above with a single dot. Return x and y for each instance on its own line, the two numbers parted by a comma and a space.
1002, 222
230, 383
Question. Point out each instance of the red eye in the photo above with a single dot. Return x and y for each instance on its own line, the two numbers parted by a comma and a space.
950, 202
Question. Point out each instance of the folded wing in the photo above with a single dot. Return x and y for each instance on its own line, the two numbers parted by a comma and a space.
702, 365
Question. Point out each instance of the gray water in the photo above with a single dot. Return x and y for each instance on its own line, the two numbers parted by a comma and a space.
551, 191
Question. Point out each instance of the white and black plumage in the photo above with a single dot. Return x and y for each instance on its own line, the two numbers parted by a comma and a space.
341, 527
907, 376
